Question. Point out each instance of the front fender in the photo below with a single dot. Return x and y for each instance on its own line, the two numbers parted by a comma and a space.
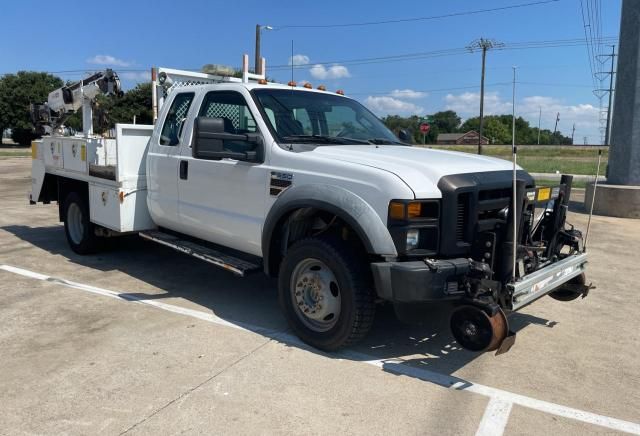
348, 206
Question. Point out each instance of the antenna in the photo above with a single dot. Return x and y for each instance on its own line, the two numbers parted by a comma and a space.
514, 151
292, 61
593, 200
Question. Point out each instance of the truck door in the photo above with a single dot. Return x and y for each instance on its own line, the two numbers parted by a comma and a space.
162, 163
222, 201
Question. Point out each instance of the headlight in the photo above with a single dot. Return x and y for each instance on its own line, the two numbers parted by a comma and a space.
413, 238
414, 226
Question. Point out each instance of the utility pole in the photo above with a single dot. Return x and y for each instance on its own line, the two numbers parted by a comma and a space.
573, 132
258, 60
257, 63
539, 122
555, 129
611, 73
484, 45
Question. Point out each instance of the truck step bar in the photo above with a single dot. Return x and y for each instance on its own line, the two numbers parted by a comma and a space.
237, 266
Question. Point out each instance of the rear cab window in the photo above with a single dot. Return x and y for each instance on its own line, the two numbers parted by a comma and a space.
176, 117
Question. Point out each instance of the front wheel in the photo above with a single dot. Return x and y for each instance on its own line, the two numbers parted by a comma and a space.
568, 291
325, 292
79, 229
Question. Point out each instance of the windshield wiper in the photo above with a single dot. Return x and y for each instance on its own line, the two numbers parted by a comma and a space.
324, 139
383, 141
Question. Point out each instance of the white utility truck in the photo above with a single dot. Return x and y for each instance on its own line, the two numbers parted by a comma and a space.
309, 186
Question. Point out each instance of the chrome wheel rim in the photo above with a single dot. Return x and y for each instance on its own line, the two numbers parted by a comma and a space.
74, 223
315, 295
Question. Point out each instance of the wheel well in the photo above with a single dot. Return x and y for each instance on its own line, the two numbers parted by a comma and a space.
304, 222
66, 186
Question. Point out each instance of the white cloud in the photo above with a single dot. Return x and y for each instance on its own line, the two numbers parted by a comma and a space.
298, 59
407, 93
468, 104
389, 105
585, 116
319, 71
108, 60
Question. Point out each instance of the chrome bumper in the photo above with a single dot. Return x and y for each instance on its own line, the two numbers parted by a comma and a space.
541, 282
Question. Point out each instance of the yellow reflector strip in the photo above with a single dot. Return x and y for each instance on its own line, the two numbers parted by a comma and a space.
414, 210
34, 150
83, 152
396, 211
544, 194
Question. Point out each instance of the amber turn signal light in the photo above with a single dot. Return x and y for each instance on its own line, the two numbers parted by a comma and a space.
414, 210
396, 210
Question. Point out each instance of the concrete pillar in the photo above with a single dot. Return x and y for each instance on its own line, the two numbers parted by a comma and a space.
620, 195
624, 156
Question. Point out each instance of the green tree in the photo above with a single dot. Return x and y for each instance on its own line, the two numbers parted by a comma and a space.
17, 92
412, 123
135, 102
497, 128
440, 122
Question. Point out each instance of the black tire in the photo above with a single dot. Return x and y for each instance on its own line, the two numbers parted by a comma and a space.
353, 279
566, 294
80, 231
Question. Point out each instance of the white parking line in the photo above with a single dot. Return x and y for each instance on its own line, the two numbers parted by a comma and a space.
500, 402
495, 417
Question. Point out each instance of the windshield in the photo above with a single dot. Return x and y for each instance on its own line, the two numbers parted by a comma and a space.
321, 118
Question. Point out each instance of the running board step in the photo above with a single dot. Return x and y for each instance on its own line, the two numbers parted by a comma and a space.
237, 266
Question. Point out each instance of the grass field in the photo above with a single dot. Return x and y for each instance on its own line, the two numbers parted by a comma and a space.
19, 153
544, 159
581, 184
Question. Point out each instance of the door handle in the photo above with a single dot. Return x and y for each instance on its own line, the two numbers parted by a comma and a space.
184, 169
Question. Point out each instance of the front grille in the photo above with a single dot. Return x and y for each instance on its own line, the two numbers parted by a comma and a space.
462, 217
473, 203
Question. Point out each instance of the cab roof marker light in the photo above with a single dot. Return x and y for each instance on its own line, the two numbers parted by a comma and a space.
322, 88
292, 83
340, 92
308, 85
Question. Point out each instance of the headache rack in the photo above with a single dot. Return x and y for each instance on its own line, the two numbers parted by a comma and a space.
166, 80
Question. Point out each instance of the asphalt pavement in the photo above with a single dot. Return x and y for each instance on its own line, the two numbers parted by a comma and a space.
140, 339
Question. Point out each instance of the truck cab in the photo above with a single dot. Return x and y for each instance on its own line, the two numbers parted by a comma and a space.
309, 186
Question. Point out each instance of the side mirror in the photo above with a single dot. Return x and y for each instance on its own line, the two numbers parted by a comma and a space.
209, 135
404, 135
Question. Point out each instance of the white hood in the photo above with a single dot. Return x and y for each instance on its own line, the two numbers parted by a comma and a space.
420, 168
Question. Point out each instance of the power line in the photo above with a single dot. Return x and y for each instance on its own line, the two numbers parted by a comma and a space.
407, 20
524, 45
432, 91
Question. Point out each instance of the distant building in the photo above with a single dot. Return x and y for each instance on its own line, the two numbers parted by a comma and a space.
469, 138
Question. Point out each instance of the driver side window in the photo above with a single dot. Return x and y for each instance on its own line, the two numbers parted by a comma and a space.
232, 108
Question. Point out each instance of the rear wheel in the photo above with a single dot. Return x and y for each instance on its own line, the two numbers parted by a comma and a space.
325, 293
79, 230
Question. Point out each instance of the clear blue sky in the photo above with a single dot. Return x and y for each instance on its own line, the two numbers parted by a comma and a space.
85, 35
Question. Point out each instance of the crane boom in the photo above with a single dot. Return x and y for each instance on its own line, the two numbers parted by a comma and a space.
62, 102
